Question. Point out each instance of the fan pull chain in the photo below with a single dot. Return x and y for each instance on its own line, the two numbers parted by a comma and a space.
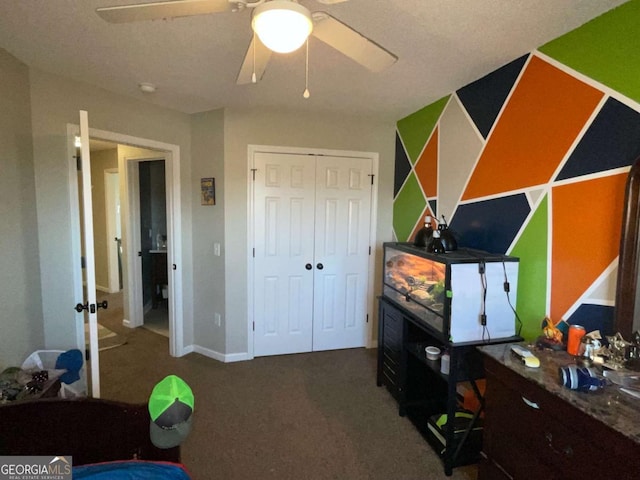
253, 75
306, 93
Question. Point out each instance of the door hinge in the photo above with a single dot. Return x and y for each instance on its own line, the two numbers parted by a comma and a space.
372, 177
254, 326
78, 162
253, 172
254, 252
367, 318
369, 249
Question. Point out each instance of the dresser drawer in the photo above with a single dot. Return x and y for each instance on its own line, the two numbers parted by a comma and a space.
527, 425
391, 349
513, 435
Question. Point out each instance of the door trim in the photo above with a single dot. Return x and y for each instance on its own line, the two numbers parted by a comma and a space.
251, 151
134, 312
174, 227
113, 284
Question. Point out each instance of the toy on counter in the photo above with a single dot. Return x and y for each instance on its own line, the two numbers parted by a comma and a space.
590, 349
616, 351
552, 336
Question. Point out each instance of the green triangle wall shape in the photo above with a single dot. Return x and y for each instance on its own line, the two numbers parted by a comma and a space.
605, 49
408, 208
532, 250
416, 128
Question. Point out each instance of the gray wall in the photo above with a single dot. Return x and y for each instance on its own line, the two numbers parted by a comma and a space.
21, 321
212, 144
55, 102
296, 129
207, 146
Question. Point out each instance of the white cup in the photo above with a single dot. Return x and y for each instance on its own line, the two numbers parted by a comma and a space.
432, 353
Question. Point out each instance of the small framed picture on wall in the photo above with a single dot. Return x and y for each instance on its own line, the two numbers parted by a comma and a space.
207, 191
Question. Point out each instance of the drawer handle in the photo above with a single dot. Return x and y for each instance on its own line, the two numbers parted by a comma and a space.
567, 451
530, 403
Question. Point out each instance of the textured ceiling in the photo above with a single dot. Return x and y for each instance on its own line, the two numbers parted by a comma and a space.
442, 45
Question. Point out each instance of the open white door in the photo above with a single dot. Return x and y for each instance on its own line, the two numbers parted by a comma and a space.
90, 307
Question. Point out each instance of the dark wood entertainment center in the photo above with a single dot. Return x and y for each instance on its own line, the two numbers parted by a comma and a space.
421, 390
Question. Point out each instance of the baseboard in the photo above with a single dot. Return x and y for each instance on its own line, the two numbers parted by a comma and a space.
221, 357
126, 323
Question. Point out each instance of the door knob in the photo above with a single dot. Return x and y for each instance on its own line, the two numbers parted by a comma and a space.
104, 305
80, 307
308, 266
319, 266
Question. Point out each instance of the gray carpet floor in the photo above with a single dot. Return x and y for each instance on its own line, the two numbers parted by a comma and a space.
307, 416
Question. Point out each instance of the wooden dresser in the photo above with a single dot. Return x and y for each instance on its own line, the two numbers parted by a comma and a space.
534, 428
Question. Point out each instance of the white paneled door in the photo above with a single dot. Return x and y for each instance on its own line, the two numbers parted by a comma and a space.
311, 252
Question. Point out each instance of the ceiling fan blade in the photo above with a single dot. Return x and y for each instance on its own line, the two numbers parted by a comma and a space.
160, 10
351, 43
262, 56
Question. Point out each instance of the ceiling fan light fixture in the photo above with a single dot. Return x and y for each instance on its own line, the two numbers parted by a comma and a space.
282, 25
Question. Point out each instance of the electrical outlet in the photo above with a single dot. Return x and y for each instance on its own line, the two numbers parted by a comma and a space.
216, 249
217, 319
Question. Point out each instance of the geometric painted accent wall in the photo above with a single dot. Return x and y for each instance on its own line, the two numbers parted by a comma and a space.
531, 160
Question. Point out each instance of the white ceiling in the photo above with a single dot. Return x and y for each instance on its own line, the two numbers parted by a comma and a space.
442, 45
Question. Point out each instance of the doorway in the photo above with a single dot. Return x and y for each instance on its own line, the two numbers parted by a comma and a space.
131, 150
153, 235
151, 221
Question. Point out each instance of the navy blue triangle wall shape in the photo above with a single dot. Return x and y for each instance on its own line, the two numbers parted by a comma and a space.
484, 98
403, 166
611, 141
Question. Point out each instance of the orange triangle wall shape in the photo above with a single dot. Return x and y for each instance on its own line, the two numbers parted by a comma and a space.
540, 122
587, 217
427, 167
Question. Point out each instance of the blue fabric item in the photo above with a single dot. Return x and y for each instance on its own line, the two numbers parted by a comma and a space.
71, 361
131, 470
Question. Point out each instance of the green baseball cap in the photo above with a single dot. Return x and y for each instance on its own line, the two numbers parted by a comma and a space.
171, 410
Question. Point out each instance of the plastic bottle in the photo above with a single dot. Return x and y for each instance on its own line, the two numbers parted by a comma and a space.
444, 363
436, 244
423, 237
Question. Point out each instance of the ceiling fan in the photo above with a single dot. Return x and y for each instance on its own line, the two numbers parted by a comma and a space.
321, 25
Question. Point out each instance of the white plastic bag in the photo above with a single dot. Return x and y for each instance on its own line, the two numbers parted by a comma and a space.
46, 360
42, 360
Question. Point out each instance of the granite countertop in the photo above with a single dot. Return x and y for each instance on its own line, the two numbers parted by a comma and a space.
608, 405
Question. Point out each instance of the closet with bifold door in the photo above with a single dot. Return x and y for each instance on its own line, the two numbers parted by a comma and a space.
311, 229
